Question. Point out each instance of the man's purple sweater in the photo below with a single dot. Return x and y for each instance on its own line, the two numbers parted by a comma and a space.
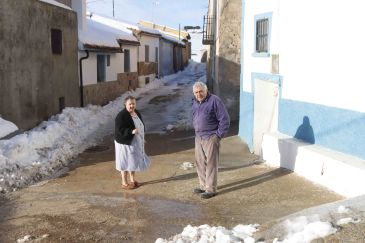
210, 117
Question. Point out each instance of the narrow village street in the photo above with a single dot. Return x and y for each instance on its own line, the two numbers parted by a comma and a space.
92, 91
87, 204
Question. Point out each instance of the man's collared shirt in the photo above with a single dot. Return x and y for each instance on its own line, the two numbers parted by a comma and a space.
210, 117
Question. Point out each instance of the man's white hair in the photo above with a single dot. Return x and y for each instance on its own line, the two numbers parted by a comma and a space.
200, 84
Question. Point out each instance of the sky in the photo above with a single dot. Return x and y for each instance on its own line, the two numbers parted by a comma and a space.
164, 12
45, 151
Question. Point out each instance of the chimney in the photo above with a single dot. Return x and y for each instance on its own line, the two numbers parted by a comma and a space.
80, 7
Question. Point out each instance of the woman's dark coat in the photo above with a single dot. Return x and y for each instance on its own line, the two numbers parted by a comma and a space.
124, 126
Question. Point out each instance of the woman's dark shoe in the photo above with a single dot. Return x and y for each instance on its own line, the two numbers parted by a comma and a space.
198, 191
207, 195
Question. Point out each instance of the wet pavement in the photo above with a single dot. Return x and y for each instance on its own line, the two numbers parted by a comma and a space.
87, 204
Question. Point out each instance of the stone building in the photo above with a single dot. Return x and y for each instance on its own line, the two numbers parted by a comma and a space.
221, 31
38, 64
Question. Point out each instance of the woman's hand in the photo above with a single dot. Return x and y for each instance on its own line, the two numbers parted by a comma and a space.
135, 131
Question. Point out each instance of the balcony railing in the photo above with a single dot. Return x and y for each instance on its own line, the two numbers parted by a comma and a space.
208, 33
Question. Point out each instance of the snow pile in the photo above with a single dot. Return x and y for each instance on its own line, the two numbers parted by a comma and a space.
6, 127
298, 230
206, 233
305, 229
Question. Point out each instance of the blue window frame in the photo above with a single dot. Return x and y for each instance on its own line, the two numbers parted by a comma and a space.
262, 34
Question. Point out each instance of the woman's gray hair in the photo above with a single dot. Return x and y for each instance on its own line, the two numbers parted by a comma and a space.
129, 97
200, 84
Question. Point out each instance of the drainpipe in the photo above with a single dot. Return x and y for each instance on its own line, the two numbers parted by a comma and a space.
81, 80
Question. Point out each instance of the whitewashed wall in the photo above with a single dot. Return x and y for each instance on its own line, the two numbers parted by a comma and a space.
330, 44
329, 50
252, 63
153, 42
320, 48
89, 65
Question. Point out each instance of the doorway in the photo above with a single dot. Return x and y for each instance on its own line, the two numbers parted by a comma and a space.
266, 96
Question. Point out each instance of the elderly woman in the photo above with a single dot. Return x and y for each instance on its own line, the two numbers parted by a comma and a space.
129, 144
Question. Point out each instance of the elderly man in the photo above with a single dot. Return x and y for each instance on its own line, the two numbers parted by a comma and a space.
211, 124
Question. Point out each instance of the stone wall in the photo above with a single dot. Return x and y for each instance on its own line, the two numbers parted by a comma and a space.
36, 83
102, 93
226, 82
147, 68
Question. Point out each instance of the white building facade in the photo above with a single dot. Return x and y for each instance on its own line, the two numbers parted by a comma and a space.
301, 88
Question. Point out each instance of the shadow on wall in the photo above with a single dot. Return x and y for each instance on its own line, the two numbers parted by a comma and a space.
305, 131
288, 148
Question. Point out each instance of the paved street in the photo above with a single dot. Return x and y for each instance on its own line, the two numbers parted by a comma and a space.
87, 204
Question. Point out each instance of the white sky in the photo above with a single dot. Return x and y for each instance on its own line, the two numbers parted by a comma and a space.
164, 12
52, 145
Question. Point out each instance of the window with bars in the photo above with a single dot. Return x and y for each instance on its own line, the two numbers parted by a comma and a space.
262, 35
208, 31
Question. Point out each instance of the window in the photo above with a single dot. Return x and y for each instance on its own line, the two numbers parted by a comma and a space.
147, 80
146, 53
262, 34
108, 60
156, 54
127, 61
56, 41
100, 69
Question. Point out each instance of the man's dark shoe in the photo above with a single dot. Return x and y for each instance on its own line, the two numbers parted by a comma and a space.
198, 191
207, 195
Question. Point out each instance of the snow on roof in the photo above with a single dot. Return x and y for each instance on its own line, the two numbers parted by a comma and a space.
123, 24
99, 35
53, 2
171, 38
